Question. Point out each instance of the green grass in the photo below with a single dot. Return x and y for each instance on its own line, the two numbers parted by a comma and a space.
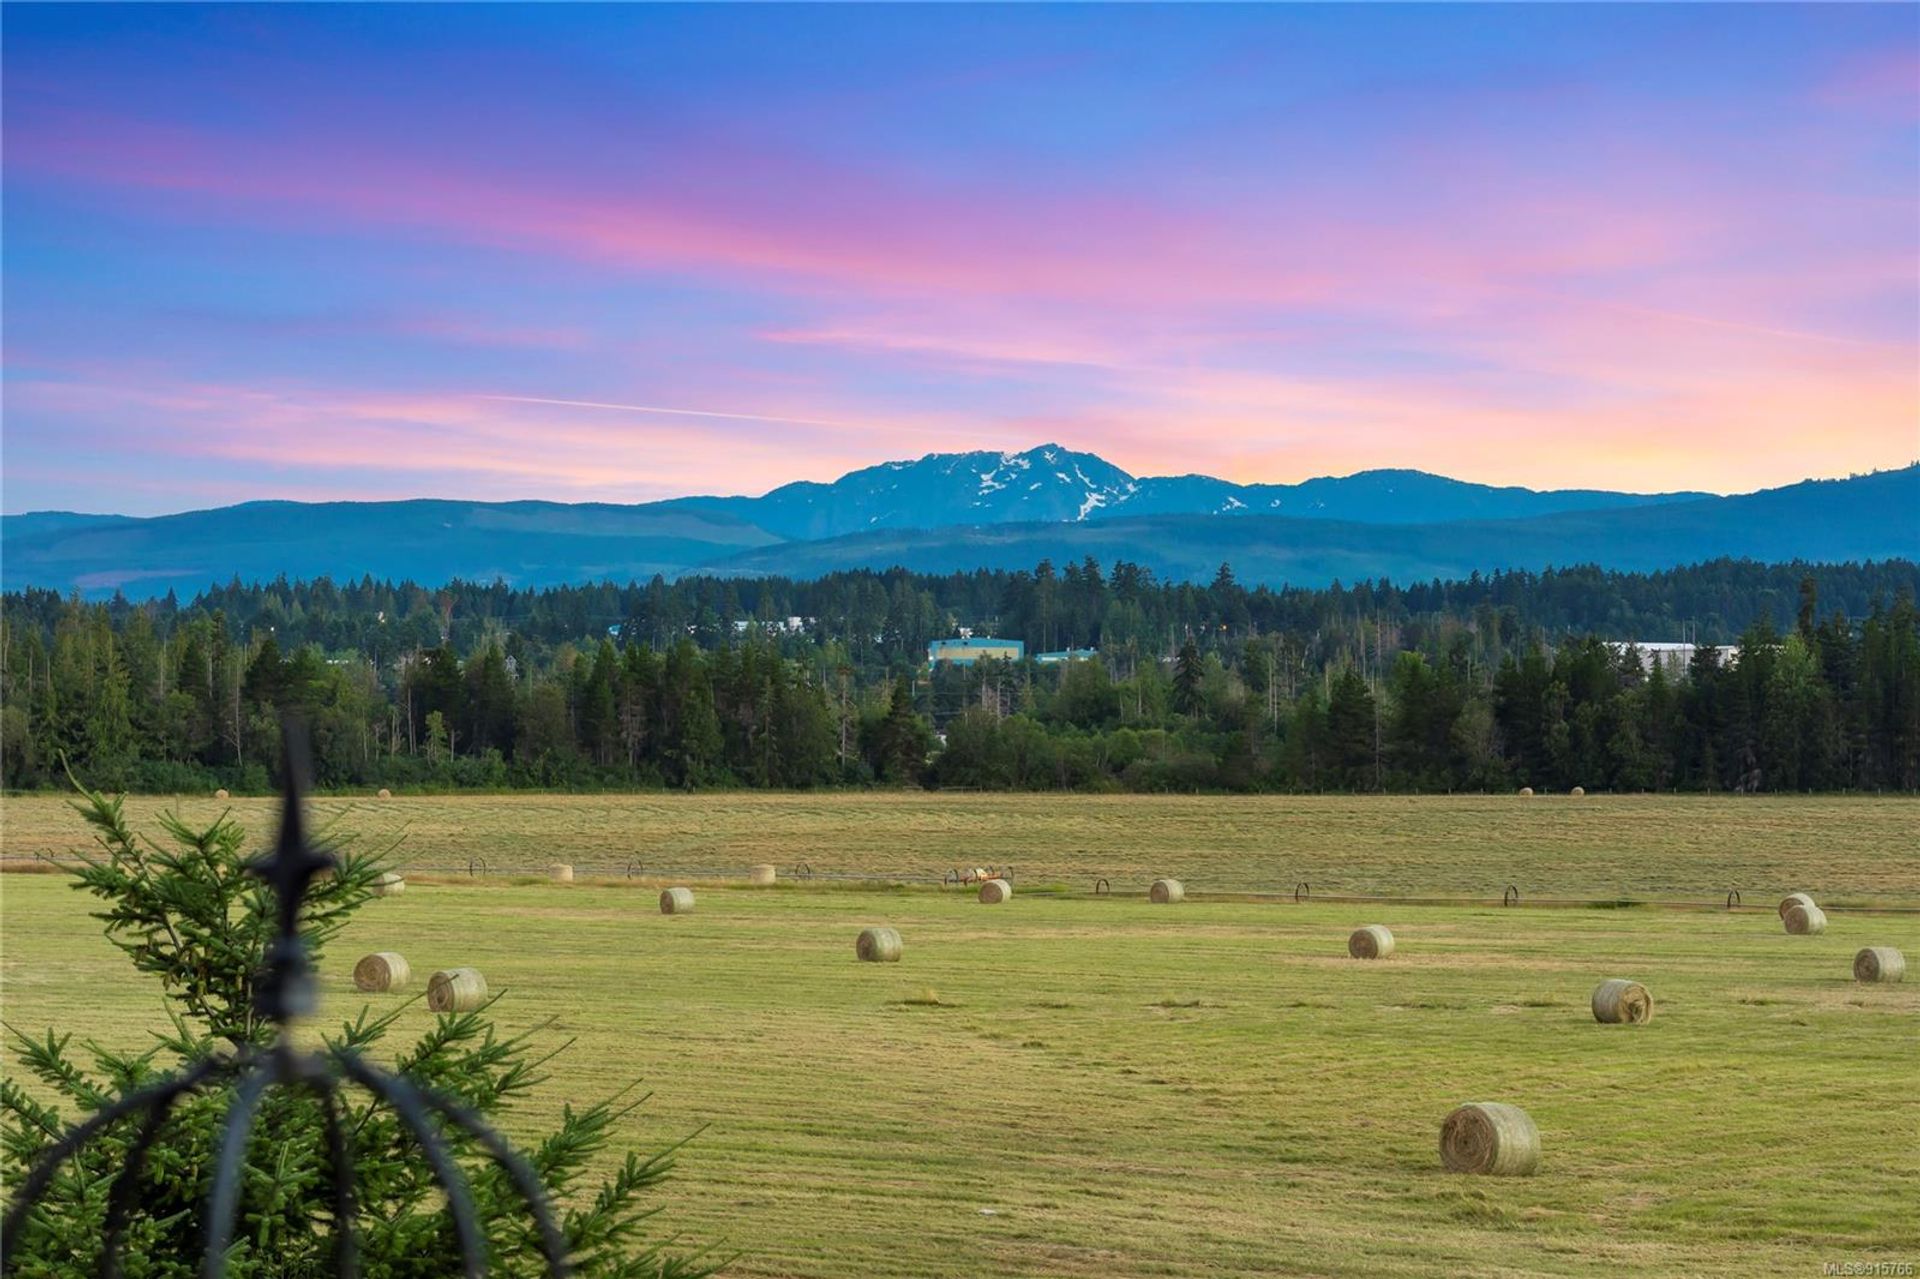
1204, 1089
1846, 850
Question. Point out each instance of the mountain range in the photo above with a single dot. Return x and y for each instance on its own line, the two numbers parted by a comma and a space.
1051, 485
959, 511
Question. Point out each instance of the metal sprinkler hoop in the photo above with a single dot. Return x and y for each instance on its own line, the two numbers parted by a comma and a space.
287, 990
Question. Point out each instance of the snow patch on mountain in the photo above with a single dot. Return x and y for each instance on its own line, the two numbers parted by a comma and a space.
1050, 484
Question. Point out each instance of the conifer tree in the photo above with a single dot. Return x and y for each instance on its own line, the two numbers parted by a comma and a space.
189, 914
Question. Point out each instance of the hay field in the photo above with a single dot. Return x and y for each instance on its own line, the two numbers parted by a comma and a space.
1112, 1088
1847, 850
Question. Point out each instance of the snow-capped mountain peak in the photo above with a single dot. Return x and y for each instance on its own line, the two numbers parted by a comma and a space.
1051, 484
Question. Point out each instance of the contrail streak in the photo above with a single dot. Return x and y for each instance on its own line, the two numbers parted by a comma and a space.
654, 408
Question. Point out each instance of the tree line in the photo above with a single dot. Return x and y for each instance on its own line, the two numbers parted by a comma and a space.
1482, 684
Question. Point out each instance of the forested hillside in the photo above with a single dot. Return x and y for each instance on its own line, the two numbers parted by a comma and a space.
1486, 683
954, 513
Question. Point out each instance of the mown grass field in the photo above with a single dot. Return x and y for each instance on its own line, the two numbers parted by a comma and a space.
1857, 850
1111, 1088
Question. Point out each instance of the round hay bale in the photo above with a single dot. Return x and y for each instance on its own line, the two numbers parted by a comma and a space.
456, 990
995, 891
1371, 942
878, 946
1167, 891
1578, 792
1879, 963
389, 882
384, 793
221, 793
561, 873
1617, 1000
676, 901
762, 875
1490, 1137
1804, 921
382, 971
1526, 792
1791, 900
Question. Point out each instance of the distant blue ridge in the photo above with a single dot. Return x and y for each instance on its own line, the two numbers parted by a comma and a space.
958, 512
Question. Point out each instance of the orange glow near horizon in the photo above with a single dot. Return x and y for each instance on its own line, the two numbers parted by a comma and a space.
1553, 248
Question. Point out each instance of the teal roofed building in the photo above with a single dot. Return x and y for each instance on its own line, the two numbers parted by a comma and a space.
1066, 655
971, 649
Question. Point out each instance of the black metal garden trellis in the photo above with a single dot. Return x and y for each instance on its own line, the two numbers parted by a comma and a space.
287, 990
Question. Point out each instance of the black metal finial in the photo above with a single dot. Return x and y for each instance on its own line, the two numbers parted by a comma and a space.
287, 989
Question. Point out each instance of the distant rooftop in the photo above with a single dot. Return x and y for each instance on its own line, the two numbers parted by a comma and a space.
1673, 655
967, 650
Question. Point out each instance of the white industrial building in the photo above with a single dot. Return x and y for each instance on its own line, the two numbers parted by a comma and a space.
1673, 658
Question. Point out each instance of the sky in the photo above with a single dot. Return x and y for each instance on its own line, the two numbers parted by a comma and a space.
622, 253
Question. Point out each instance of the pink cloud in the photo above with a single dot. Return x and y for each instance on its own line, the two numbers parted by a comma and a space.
1633, 419
1453, 306
1886, 81
722, 205
443, 445
967, 346
468, 331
